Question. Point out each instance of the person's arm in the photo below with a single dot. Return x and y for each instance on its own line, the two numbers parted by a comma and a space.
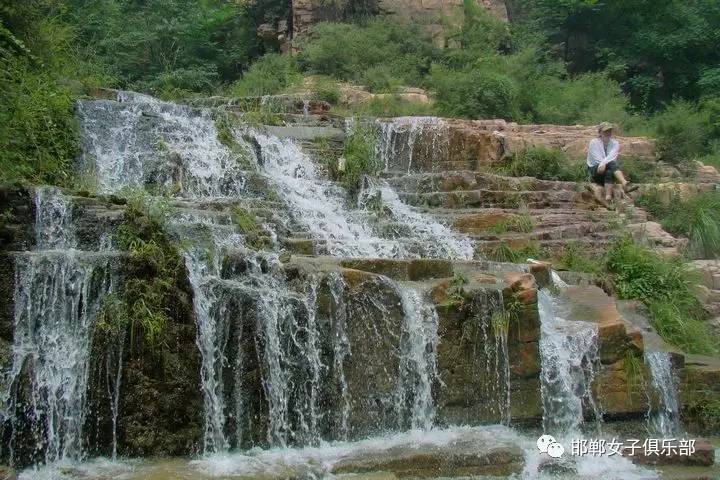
613, 154
595, 153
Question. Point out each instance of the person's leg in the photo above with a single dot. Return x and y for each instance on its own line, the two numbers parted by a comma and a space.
596, 186
609, 177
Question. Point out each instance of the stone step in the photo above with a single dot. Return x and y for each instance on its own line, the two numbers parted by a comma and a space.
470, 180
501, 199
556, 232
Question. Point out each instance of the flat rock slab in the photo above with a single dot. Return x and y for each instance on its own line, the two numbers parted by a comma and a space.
703, 456
463, 452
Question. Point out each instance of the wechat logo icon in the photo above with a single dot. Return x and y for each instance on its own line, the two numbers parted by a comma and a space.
547, 444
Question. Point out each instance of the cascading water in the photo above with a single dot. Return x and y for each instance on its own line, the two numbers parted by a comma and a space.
141, 142
58, 294
418, 369
437, 240
286, 320
319, 205
665, 419
398, 146
568, 354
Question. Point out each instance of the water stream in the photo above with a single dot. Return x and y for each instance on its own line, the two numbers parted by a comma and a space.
664, 418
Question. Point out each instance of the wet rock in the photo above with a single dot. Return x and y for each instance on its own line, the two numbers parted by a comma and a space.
459, 458
703, 456
7, 473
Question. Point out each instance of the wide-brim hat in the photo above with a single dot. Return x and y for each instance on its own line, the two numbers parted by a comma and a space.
605, 126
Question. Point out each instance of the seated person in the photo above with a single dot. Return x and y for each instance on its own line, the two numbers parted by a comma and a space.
603, 167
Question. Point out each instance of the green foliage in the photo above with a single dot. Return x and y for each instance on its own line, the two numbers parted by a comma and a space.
390, 106
505, 252
476, 93
658, 50
683, 132
41, 73
347, 52
360, 160
246, 221
544, 163
634, 370
523, 223
638, 170
696, 217
573, 257
270, 75
666, 287
455, 291
173, 46
326, 90
153, 270
588, 99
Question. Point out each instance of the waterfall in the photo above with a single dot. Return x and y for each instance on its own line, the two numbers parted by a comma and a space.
418, 368
57, 296
493, 323
568, 355
141, 142
437, 240
320, 205
665, 420
54, 229
300, 351
403, 139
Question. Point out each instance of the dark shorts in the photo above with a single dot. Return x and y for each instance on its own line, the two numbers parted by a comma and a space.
608, 176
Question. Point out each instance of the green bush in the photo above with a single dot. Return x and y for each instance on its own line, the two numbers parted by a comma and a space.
326, 90
588, 99
360, 160
682, 131
39, 136
505, 252
348, 52
390, 106
666, 287
475, 93
271, 74
153, 271
544, 163
696, 218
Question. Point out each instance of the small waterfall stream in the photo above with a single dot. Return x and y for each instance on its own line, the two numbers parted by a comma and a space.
58, 293
568, 354
664, 419
399, 148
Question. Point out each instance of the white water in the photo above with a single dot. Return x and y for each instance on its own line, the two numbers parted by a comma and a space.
418, 367
398, 146
57, 296
568, 355
664, 419
140, 141
436, 240
319, 205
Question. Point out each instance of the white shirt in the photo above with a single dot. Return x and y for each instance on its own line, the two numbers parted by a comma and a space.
598, 156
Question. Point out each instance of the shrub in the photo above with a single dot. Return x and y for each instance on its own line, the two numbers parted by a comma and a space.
588, 99
271, 74
391, 106
544, 163
505, 252
666, 287
696, 217
326, 90
380, 79
39, 136
153, 271
475, 93
523, 223
347, 52
682, 132
360, 160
